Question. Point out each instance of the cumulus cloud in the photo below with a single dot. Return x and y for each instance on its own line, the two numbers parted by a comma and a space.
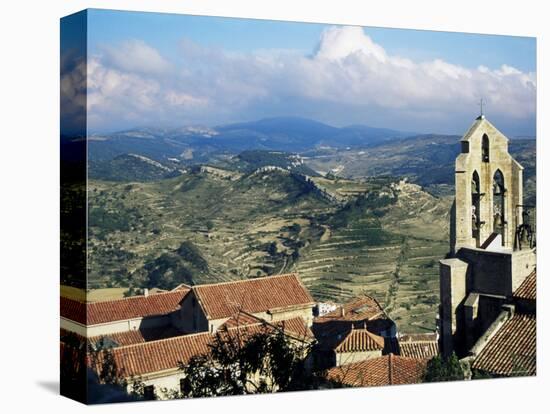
348, 79
136, 56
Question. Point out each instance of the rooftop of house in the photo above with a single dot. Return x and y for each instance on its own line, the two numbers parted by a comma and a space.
134, 307
223, 300
419, 349
361, 308
360, 340
528, 288
168, 354
135, 336
240, 318
385, 370
512, 350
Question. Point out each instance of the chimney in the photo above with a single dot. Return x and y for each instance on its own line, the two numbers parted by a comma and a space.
145, 292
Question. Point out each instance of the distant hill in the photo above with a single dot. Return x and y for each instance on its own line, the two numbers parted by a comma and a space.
249, 161
197, 143
129, 167
427, 160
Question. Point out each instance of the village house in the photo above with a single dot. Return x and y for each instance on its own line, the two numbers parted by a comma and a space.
488, 281
157, 364
148, 335
418, 345
146, 315
272, 299
354, 331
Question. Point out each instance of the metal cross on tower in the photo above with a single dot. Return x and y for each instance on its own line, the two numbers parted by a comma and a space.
481, 107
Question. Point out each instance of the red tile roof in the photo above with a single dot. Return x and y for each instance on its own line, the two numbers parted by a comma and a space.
222, 300
361, 308
360, 340
512, 350
385, 370
166, 354
419, 349
240, 319
528, 288
137, 336
122, 309
73, 310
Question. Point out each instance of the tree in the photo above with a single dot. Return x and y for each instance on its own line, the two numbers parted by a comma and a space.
243, 363
444, 369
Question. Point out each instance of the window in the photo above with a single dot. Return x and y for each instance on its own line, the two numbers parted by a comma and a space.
485, 148
182, 384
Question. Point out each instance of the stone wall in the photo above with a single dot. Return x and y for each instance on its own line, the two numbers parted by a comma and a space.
453, 275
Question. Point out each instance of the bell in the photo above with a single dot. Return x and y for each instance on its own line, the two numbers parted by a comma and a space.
498, 220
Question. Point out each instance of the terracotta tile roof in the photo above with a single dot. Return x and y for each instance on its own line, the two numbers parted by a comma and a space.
295, 327
136, 336
73, 310
122, 309
240, 319
528, 288
361, 308
385, 370
166, 354
360, 340
419, 349
222, 300
512, 351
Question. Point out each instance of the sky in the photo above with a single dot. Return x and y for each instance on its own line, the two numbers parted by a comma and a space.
167, 70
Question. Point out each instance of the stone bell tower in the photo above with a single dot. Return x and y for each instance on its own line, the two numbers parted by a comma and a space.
489, 190
488, 259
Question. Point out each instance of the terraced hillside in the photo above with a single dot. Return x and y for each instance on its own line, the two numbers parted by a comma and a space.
207, 225
390, 252
343, 236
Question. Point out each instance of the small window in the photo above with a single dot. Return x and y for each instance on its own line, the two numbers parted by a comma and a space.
485, 148
149, 392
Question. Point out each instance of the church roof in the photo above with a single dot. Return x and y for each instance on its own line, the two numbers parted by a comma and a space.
385, 370
528, 288
222, 300
512, 350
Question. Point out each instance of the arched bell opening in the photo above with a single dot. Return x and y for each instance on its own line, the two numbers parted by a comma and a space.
476, 211
499, 193
485, 148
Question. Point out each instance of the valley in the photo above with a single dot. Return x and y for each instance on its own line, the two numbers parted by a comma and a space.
203, 205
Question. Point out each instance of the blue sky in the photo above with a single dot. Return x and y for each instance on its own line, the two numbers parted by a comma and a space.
171, 70
164, 31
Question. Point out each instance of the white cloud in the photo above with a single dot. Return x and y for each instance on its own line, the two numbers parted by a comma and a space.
349, 79
340, 42
136, 56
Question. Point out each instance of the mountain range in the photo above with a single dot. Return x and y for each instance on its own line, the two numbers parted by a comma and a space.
196, 143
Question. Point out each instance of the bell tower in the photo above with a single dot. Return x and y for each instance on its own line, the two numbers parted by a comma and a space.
488, 190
